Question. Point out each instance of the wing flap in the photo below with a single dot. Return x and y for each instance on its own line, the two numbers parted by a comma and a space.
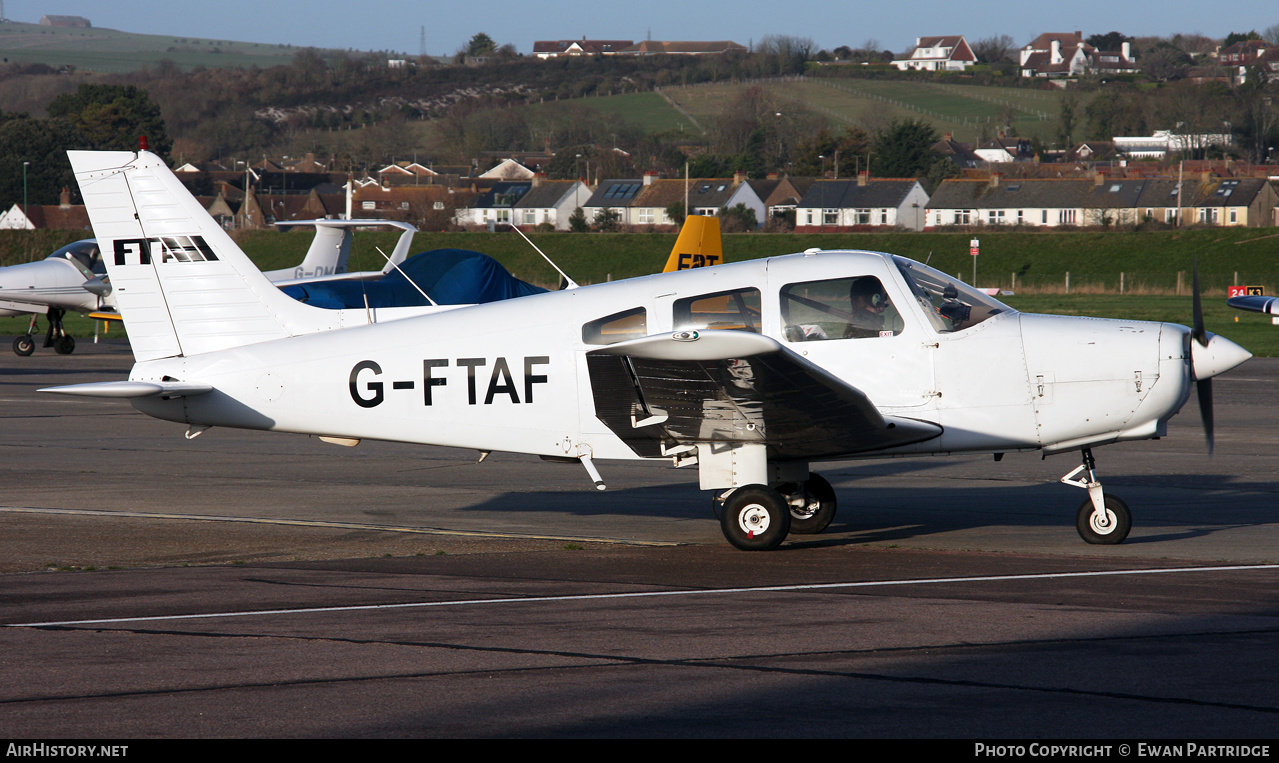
736, 387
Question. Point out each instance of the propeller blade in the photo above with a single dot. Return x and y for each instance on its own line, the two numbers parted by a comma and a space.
1204, 388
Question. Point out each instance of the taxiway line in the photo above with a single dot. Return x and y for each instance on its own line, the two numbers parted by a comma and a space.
649, 594
328, 525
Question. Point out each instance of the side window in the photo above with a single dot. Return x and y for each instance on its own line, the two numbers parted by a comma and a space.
618, 327
839, 308
736, 310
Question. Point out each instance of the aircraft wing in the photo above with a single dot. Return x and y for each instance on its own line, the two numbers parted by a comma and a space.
691, 387
1255, 304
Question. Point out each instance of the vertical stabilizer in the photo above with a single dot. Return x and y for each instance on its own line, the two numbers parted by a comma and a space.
182, 285
698, 245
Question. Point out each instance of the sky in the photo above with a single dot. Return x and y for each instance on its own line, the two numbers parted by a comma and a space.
396, 25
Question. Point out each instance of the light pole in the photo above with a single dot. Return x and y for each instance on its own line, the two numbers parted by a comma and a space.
24, 192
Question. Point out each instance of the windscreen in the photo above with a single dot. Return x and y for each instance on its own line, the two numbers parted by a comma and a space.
949, 303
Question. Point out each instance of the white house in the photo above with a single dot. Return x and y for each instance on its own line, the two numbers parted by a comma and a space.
948, 53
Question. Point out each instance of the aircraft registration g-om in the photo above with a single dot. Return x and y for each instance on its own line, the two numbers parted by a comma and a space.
751, 371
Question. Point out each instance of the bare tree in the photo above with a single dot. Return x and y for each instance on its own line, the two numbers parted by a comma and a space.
992, 49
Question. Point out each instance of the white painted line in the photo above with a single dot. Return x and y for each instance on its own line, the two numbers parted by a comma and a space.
652, 594
329, 525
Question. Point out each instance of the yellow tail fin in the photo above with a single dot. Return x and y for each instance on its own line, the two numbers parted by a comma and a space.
698, 245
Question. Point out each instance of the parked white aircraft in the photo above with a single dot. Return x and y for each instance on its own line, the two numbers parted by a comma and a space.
750, 371
74, 277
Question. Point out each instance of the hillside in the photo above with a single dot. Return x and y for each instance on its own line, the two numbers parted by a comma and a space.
109, 50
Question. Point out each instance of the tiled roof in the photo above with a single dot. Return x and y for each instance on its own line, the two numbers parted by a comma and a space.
848, 194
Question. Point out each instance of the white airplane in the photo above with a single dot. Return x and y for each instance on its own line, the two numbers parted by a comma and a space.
74, 278
751, 371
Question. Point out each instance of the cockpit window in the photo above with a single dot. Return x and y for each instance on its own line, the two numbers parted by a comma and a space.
736, 310
618, 327
839, 308
949, 303
82, 254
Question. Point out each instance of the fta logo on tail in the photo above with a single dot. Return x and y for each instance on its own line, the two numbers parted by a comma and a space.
142, 251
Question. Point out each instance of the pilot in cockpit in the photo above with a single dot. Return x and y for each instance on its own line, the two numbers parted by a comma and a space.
868, 302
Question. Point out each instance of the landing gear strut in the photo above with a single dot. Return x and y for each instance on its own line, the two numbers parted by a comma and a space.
1102, 519
57, 337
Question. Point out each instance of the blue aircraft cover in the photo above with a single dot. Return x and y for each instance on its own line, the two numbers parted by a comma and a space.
450, 276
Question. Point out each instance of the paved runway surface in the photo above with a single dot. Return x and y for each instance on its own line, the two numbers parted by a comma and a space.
255, 584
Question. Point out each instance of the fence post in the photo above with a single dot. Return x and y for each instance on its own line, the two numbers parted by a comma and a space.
1067, 281
1121, 282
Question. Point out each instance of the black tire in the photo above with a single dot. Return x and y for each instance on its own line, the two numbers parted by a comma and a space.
755, 518
819, 509
64, 345
1119, 522
24, 345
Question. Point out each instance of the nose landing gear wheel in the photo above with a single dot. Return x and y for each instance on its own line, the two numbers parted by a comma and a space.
755, 518
24, 345
1104, 529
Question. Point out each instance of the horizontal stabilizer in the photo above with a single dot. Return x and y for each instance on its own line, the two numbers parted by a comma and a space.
131, 389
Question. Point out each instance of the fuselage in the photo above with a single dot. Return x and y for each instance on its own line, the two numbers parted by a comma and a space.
513, 376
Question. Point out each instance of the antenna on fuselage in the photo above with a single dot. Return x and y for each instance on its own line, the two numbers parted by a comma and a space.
571, 283
406, 278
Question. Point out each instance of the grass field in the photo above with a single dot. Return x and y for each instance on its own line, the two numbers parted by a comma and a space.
968, 111
109, 50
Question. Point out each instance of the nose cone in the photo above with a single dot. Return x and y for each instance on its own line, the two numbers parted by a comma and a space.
1218, 356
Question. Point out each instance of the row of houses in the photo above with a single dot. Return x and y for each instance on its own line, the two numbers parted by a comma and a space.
863, 203
1050, 55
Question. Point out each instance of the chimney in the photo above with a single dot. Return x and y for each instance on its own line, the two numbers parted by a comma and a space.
995, 178
863, 178
538, 177
649, 177
309, 163
1126, 50
738, 177
1097, 179
950, 136
1056, 52
64, 199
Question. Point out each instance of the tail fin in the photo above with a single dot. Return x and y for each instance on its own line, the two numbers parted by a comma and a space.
327, 256
698, 245
182, 285
331, 248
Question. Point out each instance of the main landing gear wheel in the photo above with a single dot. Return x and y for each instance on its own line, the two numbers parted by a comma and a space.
64, 345
816, 506
755, 518
24, 345
1104, 529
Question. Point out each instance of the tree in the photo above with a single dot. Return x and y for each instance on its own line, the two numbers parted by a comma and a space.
481, 45
113, 117
904, 149
577, 221
738, 219
1108, 41
675, 211
608, 220
1067, 118
1165, 62
1234, 37
991, 50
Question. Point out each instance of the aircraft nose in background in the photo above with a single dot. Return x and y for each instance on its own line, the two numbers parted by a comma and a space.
1217, 356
